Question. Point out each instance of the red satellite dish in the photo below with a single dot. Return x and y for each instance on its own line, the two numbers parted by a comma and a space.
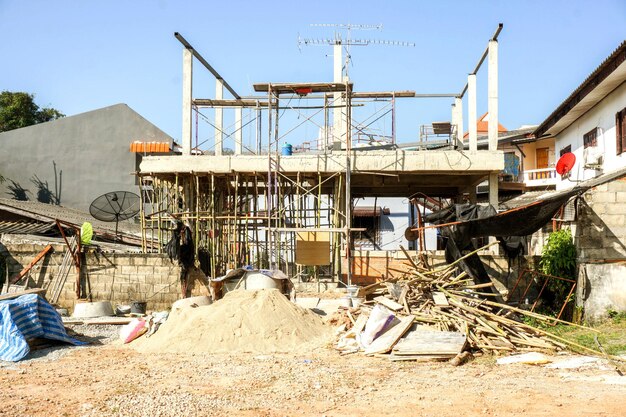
565, 163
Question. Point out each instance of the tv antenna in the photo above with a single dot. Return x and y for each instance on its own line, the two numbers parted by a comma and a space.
115, 206
341, 43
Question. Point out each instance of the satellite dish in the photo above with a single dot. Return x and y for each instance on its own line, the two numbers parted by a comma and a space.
565, 163
115, 206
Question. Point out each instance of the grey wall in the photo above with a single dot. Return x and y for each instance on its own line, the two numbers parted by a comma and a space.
91, 152
600, 237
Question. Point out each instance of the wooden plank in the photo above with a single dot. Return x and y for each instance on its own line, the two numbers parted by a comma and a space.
390, 304
440, 299
423, 341
361, 321
384, 343
313, 248
24, 271
41, 291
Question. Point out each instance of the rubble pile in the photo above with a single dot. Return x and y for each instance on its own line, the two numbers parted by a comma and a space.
447, 301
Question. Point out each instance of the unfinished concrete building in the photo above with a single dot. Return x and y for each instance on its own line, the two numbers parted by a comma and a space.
274, 205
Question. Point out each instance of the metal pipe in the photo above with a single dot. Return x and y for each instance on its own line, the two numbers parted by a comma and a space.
482, 58
206, 64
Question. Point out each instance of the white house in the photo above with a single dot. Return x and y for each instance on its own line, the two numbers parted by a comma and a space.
591, 124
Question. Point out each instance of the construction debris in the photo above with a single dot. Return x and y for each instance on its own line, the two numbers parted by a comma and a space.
449, 314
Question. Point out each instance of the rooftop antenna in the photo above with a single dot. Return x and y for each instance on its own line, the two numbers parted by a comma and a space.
340, 43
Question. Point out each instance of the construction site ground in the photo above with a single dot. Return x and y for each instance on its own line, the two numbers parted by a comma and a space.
111, 379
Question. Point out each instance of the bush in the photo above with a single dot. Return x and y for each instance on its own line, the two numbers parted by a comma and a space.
558, 259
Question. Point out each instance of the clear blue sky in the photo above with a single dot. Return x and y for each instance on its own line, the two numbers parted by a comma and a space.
78, 56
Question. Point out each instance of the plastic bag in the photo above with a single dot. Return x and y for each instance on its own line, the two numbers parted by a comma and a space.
133, 330
380, 317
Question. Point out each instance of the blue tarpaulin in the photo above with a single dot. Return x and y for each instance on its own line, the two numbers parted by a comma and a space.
27, 317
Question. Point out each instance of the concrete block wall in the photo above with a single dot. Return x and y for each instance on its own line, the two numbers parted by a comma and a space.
601, 224
116, 277
600, 237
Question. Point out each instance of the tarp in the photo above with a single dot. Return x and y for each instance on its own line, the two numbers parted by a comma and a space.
482, 221
25, 318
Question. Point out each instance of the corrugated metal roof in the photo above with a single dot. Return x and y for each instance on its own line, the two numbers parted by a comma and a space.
46, 213
26, 227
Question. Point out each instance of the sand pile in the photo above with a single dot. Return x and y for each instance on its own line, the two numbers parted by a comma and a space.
262, 321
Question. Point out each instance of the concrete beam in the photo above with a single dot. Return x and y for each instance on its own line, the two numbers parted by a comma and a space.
397, 162
187, 97
471, 112
492, 95
219, 118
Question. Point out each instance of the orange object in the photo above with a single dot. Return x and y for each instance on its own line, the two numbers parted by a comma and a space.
149, 147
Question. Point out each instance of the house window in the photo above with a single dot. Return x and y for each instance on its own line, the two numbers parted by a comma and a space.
369, 236
620, 129
590, 138
565, 150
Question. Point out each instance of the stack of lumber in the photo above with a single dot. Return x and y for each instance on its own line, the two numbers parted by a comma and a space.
446, 302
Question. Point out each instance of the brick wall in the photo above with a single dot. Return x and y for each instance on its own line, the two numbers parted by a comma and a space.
119, 278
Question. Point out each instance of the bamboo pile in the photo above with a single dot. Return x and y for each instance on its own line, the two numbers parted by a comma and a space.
447, 300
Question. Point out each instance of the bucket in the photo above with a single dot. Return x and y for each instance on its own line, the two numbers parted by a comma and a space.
352, 290
345, 302
138, 307
357, 301
287, 149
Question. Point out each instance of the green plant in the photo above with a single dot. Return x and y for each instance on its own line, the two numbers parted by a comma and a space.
559, 255
558, 259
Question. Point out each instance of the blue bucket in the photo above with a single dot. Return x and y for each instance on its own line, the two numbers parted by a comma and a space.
287, 149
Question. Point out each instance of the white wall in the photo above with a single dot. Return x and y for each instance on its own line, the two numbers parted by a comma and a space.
603, 117
393, 226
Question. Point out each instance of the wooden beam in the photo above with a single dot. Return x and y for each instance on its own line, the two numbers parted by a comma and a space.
24, 271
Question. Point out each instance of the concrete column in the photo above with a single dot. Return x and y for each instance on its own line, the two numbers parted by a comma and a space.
471, 112
238, 131
337, 77
492, 95
493, 200
187, 97
493, 190
219, 118
454, 114
458, 104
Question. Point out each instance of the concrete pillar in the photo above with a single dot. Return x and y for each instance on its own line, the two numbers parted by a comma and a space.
337, 77
238, 131
458, 104
471, 112
219, 118
187, 97
454, 114
493, 190
492, 95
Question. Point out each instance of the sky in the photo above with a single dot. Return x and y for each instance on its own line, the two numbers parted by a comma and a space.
78, 56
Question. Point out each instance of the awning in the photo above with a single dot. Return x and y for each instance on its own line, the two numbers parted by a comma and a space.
150, 147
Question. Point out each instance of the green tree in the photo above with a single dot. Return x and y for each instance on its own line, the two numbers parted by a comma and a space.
18, 109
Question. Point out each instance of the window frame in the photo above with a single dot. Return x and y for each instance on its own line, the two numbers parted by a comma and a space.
590, 138
620, 131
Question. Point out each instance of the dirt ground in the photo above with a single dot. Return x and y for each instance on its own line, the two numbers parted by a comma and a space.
116, 380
